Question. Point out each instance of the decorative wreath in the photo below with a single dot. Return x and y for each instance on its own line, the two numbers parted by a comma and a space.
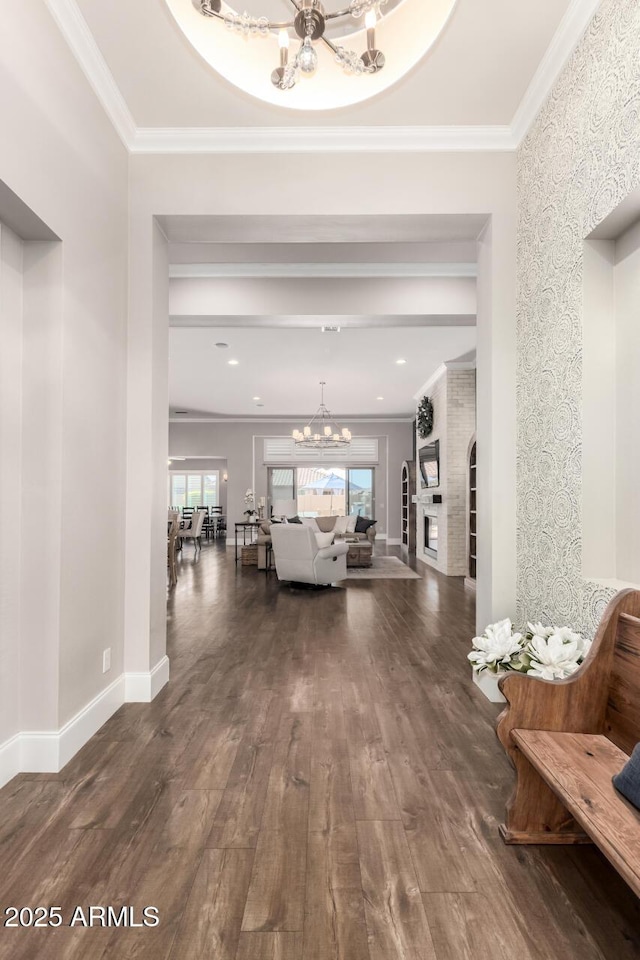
425, 418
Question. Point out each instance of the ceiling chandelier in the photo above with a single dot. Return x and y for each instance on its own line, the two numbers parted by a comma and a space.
322, 432
308, 24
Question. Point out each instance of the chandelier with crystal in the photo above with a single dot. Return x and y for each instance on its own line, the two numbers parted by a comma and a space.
322, 432
308, 24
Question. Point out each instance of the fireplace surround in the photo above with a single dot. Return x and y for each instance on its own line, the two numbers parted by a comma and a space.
431, 536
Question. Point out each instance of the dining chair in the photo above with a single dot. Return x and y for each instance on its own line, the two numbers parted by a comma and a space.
194, 532
172, 538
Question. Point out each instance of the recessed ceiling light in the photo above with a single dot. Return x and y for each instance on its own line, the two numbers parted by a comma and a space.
327, 329
257, 398
233, 363
379, 398
259, 404
222, 346
401, 361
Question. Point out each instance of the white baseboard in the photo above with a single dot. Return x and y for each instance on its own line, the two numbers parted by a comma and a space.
144, 687
9, 759
48, 751
394, 542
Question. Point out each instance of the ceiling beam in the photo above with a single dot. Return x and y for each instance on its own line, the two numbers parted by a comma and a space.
281, 271
322, 297
315, 322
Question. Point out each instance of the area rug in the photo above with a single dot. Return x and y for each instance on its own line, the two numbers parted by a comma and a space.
384, 568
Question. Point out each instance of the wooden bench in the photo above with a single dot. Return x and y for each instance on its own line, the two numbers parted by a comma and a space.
568, 738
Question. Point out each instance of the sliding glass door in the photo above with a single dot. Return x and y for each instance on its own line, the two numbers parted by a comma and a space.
324, 491
361, 492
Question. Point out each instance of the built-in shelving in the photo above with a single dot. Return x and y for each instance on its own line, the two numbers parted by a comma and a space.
408, 507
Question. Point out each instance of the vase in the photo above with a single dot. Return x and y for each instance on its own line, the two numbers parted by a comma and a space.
488, 684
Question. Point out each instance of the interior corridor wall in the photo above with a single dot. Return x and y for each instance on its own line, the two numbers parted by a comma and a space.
579, 161
60, 154
10, 476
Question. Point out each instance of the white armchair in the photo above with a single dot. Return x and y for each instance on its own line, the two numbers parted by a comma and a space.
299, 559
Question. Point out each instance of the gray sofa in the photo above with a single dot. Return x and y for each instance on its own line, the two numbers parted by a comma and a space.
322, 524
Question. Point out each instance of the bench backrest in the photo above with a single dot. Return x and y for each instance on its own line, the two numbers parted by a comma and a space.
622, 722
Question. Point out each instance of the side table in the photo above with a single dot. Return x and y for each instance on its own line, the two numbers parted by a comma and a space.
244, 525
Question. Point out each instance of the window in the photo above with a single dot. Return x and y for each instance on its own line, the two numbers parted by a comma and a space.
324, 491
194, 489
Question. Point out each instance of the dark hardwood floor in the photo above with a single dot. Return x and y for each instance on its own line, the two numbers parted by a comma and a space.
319, 781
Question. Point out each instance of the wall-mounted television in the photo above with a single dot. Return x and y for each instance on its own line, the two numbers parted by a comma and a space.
429, 457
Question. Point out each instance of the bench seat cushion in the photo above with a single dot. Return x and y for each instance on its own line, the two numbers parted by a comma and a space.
579, 767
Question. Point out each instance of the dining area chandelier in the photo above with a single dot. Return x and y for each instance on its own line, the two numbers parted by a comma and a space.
322, 432
307, 26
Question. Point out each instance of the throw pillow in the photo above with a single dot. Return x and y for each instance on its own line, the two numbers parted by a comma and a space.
351, 523
627, 782
363, 524
341, 526
324, 540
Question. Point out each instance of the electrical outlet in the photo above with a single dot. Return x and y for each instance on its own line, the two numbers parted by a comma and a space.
106, 660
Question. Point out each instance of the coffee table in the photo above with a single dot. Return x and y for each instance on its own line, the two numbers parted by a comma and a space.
360, 554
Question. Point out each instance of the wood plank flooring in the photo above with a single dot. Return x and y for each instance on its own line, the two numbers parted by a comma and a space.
319, 781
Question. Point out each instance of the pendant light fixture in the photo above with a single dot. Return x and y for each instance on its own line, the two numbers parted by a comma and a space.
322, 432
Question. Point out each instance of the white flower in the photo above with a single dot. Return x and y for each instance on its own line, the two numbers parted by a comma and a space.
552, 657
248, 497
567, 635
496, 648
583, 647
537, 630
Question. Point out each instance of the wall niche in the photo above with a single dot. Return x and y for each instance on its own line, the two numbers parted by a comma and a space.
611, 399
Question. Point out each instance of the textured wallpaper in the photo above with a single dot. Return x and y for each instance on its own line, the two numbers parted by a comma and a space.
579, 161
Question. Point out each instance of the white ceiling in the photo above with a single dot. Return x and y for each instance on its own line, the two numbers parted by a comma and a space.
477, 73
284, 367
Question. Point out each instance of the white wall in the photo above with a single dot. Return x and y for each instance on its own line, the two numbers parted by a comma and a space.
11, 266
611, 399
599, 412
61, 156
376, 296
627, 335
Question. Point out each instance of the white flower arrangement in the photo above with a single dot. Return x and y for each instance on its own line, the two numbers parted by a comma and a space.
553, 653
249, 499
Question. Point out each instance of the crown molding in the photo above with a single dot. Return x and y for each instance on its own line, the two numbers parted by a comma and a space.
76, 32
319, 140
237, 140
448, 365
325, 271
565, 40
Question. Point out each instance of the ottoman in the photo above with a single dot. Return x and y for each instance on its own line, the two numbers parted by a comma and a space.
360, 554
